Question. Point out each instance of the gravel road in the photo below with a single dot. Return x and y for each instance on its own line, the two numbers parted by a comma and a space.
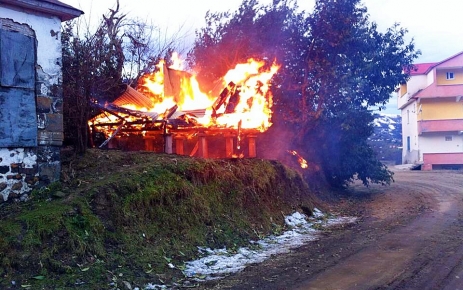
409, 235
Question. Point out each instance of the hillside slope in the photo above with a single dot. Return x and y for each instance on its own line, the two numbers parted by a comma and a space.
120, 216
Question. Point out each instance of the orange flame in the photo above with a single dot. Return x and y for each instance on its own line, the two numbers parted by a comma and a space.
241, 100
249, 99
177, 61
302, 161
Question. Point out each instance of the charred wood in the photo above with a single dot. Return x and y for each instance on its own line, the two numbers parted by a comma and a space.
170, 112
113, 135
223, 96
233, 101
238, 134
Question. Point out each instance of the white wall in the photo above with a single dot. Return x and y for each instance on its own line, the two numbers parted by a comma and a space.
414, 84
436, 143
48, 34
20, 167
410, 129
430, 77
417, 83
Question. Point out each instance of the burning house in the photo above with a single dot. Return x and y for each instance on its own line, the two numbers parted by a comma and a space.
169, 113
31, 120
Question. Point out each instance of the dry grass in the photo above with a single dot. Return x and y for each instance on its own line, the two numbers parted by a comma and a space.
124, 215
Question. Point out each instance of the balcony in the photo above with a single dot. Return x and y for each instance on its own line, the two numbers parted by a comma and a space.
442, 158
429, 126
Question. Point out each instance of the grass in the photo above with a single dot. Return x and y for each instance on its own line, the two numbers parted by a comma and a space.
124, 216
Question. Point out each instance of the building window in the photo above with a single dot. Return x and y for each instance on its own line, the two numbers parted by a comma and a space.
448, 138
450, 76
408, 116
408, 144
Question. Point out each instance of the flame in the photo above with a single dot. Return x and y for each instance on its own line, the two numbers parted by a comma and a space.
302, 162
177, 61
249, 99
241, 99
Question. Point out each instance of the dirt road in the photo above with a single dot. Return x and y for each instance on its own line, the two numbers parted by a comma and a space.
409, 236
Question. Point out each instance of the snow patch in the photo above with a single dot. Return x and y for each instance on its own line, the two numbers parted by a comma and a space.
216, 264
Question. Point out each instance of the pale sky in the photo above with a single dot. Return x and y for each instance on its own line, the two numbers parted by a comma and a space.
435, 25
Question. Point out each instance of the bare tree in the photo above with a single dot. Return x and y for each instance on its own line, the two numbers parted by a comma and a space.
96, 65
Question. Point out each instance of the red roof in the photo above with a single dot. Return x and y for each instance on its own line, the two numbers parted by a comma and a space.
435, 91
422, 68
450, 58
425, 68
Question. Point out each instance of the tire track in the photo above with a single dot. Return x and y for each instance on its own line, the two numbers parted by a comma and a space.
408, 237
404, 256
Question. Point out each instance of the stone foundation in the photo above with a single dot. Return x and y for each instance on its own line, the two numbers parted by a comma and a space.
18, 173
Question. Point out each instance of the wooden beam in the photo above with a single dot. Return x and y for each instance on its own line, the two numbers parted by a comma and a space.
252, 146
228, 145
203, 152
149, 143
195, 149
179, 145
168, 143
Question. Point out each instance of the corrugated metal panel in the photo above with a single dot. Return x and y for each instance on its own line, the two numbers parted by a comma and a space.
133, 97
199, 113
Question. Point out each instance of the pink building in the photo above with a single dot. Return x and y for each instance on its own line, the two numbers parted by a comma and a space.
432, 114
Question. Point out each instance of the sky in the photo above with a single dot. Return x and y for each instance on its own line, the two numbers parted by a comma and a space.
434, 25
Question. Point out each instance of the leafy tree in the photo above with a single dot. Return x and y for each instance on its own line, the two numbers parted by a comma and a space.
253, 30
336, 66
351, 68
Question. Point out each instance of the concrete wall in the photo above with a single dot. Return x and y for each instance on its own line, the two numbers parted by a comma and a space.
441, 76
414, 84
441, 143
21, 169
410, 129
440, 109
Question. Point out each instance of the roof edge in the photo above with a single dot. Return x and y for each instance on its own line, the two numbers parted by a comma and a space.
449, 58
51, 7
410, 100
435, 64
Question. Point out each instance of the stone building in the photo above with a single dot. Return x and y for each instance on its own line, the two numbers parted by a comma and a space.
31, 101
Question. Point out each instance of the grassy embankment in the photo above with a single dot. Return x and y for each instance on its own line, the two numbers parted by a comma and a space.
123, 216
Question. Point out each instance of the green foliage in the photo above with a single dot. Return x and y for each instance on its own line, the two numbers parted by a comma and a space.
46, 192
352, 67
253, 31
336, 67
126, 213
347, 154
